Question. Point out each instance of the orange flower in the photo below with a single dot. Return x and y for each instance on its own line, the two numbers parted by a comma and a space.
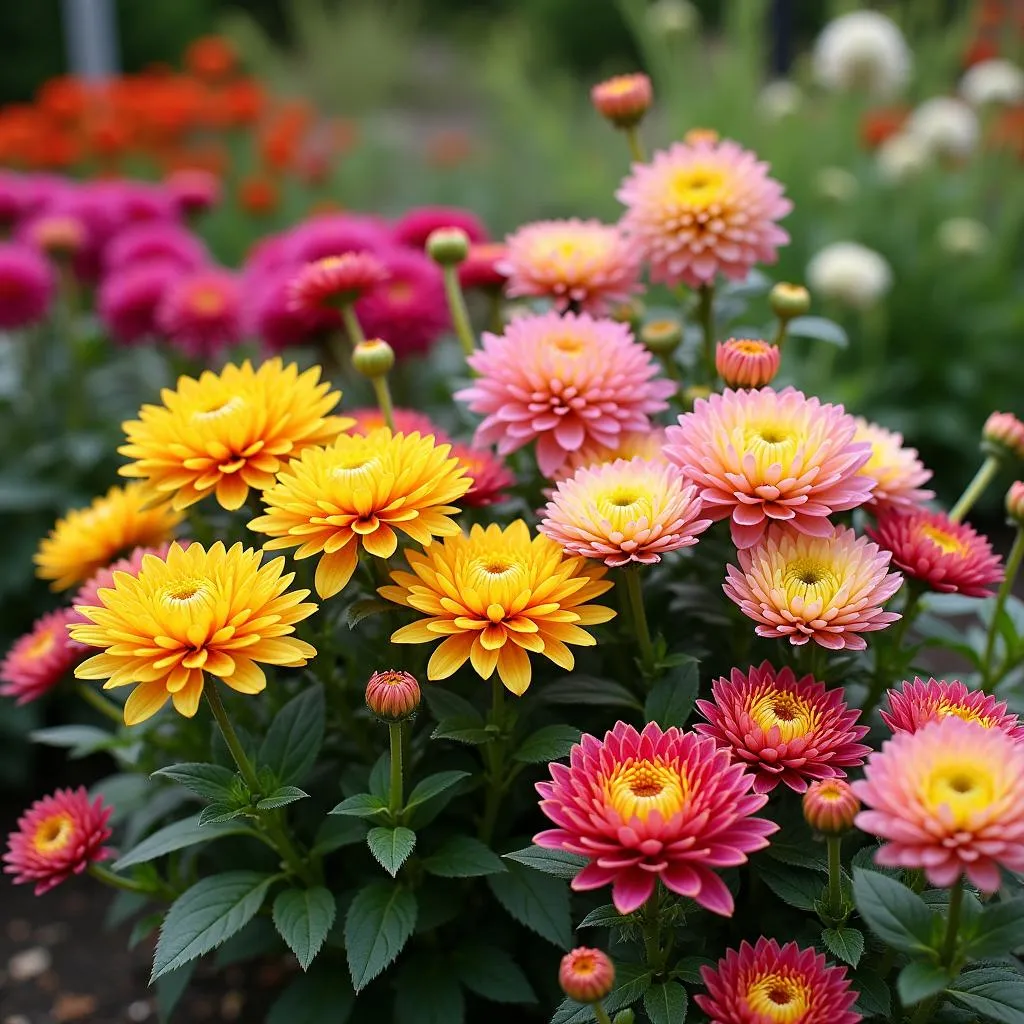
258, 195
211, 57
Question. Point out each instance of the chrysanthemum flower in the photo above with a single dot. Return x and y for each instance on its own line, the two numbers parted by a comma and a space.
769, 984
624, 99
229, 431
765, 455
491, 478
563, 381
946, 556
58, 235
830, 806
415, 226
335, 281
919, 702
1003, 436
482, 267
392, 696
335, 234
826, 589
495, 595
645, 444
583, 262
949, 799
702, 209
201, 314
407, 421
129, 298
653, 805
194, 612
87, 539
586, 975
89, 591
163, 241
896, 472
624, 511
747, 362
193, 190
361, 492
37, 662
27, 286
57, 837
270, 315
782, 728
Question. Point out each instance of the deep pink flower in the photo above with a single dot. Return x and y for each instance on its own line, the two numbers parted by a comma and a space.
407, 421
128, 299
38, 661
268, 311
193, 191
334, 234
200, 313
164, 241
481, 268
919, 702
26, 286
335, 281
491, 477
415, 227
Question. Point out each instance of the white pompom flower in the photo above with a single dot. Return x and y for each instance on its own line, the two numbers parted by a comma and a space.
993, 82
947, 127
862, 51
850, 274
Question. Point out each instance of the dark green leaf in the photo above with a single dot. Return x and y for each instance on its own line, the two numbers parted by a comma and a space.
282, 797
380, 776
994, 992
581, 689
433, 785
539, 902
322, 996
176, 836
688, 969
666, 1003
808, 855
379, 923
171, 987
874, 999
334, 833
362, 805
143, 928
919, 980
818, 328
796, 886
82, 740
444, 704
997, 931
391, 846
427, 992
294, 737
258, 938
126, 792
215, 814
490, 972
547, 744
550, 862
303, 917
463, 857
846, 944
364, 608
670, 701
461, 730
603, 917
210, 781
894, 913
631, 983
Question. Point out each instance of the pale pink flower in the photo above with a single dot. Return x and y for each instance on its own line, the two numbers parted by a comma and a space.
896, 472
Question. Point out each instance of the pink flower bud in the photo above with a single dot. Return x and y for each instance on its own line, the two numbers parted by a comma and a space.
58, 236
392, 695
1003, 436
1015, 502
747, 363
830, 806
623, 100
586, 975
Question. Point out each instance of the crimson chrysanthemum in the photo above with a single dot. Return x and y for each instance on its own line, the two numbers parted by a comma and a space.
949, 799
38, 661
482, 267
769, 984
896, 472
650, 806
563, 381
335, 281
57, 837
919, 702
946, 556
27, 285
766, 455
201, 313
826, 589
783, 729
491, 477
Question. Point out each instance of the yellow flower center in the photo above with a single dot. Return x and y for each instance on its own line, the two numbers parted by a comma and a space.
222, 408
618, 86
964, 788
568, 344
41, 645
780, 998
698, 186
355, 464
811, 579
187, 590
750, 347
53, 833
945, 542
787, 712
639, 787
206, 301
400, 292
947, 708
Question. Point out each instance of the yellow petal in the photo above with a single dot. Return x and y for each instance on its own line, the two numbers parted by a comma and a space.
514, 668
450, 656
334, 571
144, 702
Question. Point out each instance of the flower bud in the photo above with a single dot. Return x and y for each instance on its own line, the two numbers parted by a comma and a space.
695, 136
448, 246
392, 696
623, 100
789, 300
661, 337
1003, 436
747, 362
373, 358
830, 806
1015, 502
58, 236
629, 312
586, 975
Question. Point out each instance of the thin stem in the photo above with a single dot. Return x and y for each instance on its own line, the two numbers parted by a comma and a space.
600, 1013
96, 699
352, 325
780, 333
706, 316
108, 877
339, 349
634, 594
835, 875
457, 308
652, 932
496, 318
974, 490
383, 392
1010, 575
636, 147
956, 901
395, 790
494, 753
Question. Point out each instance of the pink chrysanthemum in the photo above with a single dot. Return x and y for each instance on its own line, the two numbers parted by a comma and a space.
335, 281
949, 799
624, 511
919, 702
38, 661
649, 806
201, 313
1003, 435
948, 557
335, 234
747, 362
584, 262
407, 421
88, 594
782, 728
564, 381
769, 984
193, 191
57, 837
701, 209
491, 478
647, 444
1015, 502
482, 267
770, 455
624, 99
26, 286
826, 589
128, 299
896, 472
417, 225
586, 975
165, 241
269, 314
58, 235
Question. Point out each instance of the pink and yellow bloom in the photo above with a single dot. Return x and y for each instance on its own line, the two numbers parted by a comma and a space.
919, 702
645, 444
747, 362
1003, 436
38, 661
624, 99
201, 313
335, 281
586, 975
896, 472
830, 806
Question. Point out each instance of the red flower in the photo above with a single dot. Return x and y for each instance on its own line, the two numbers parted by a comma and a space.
38, 661
490, 477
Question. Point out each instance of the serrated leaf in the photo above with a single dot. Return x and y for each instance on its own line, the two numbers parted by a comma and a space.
391, 846
323, 994
362, 805
818, 328
334, 833
631, 982
874, 998
558, 863
811, 856
364, 608
898, 916
666, 1003
688, 969
210, 781
379, 922
303, 917
581, 689
997, 931
202, 917
380, 776
846, 944
490, 972
215, 814
547, 744
294, 738
994, 992
672, 697
463, 857
919, 980
537, 901
797, 887
603, 917
176, 836
281, 798
461, 730
433, 785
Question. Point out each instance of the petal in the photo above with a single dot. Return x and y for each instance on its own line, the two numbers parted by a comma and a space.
514, 668
334, 571
144, 702
450, 656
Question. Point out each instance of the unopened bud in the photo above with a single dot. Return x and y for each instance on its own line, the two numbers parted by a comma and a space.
586, 975
662, 337
789, 300
1003, 436
623, 100
392, 696
747, 362
448, 246
373, 358
830, 805
1015, 502
629, 312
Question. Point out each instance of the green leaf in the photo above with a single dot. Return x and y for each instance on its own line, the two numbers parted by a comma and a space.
463, 857
303, 917
380, 776
202, 917
603, 917
994, 992
82, 740
795, 886
580, 689
362, 805
819, 328
997, 931
666, 1003
323, 994
874, 999
547, 744
428, 992
281, 797
688, 969
807, 855
919, 980
846, 944
334, 833
539, 902
215, 814
433, 785
898, 916
444, 704
257, 939
490, 972
461, 730
176, 836
631, 983
670, 701
210, 781
364, 608
294, 738
171, 987
379, 922
551, 862
391, 846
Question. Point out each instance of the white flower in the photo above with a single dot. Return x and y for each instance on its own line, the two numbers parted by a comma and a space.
849, 273
901, 157
837, 184
963, 236
946, 126
862, 51
993, 81
779, 99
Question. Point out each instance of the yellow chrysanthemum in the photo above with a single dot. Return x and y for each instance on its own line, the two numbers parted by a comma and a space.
227, 432
495, 595
191, 613
87, 539
360, 491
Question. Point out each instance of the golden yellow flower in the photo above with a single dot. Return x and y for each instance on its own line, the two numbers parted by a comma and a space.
87, 539
360, 491
191, 613
495, 595
227, 432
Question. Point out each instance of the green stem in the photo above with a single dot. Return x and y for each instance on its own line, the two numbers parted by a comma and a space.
652, 932
383, 392
986, 471
457, 308
706, 316
395, 802
636, 147
634, 594
956, 901
988, 674
780, 333
104, 706
108, 877
352, 325
835, 875
494, 753
496, 318
601, 1014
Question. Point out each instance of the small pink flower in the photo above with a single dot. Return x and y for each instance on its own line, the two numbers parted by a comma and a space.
624, 99
896, 472
1003, 435
746, 362
201, 313
586, 975
269, 313
830, 806
413, 228
158, 241
335, 281
129, 298
919, 702
27, 286
333, 235
482, 267
38, 661
193, 191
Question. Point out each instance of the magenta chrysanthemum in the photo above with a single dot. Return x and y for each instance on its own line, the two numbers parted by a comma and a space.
949, 799
770, 455
491, 477
165, 241
653, 805
414, 227
704, 208
896, 472
335, 281
57, 837
193, 191
271, 315
27, 286
128, 299
334, 234
201, 313
783, 729
919, 702
564, 381
482, 267
38, 661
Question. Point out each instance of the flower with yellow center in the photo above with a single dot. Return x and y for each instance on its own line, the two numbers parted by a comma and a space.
87, 539
897, 473
495, 596
361, 492
229, 431
919, 702
195, 612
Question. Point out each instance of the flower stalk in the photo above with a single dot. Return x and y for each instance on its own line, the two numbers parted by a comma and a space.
974, 490
988, 669
353, 327
835, 877
457, 309
395, 789
494, 757
96, 700
636, 147
706, 317
635, 597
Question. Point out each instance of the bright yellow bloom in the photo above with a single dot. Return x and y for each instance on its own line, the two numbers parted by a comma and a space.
227, 432
87, 539
362, 490
193, 612
494, 596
